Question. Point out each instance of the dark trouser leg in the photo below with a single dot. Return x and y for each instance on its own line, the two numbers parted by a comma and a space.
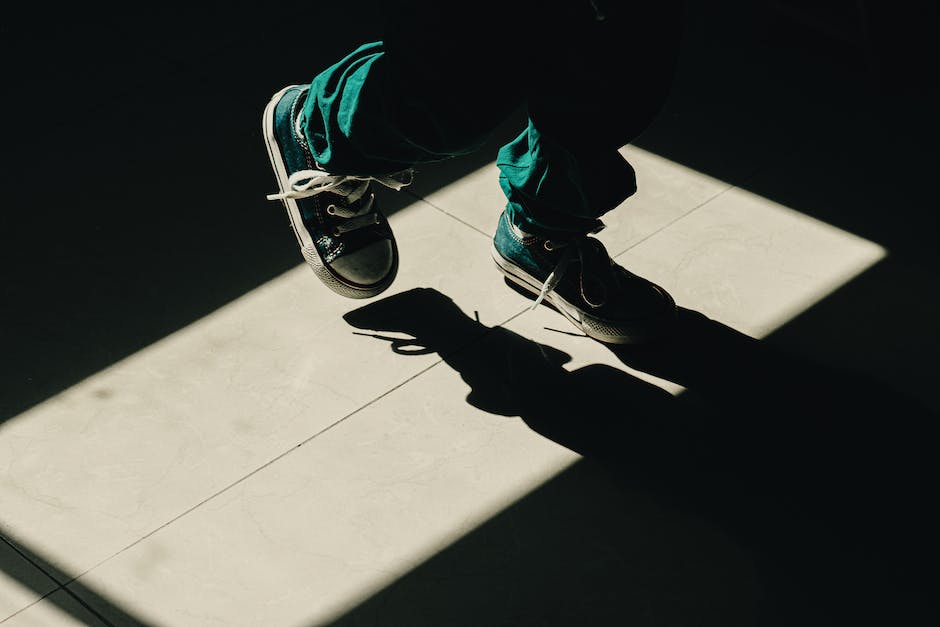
604, 83
433, 89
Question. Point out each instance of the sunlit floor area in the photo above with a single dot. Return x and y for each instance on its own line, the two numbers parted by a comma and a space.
196, 432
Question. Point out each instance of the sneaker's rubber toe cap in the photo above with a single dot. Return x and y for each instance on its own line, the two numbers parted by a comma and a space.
367, 266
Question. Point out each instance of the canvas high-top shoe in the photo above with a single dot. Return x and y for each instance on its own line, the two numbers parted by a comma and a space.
342, 234
579, 279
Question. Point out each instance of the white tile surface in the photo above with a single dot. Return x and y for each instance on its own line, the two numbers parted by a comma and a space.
666, 191
340, 517
113, 458
749, 262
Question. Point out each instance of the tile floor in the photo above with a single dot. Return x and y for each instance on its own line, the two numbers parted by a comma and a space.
271, 462
268, 465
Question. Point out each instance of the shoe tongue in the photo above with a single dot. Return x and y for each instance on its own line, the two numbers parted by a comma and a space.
562, 236
351, 187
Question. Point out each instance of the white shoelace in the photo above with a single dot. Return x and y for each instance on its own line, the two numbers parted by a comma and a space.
555, 276
573, 248
308, 183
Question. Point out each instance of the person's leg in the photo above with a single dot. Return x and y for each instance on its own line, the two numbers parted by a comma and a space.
604, 83
371, 113
564, 171
435, 88
552, 190
431, 90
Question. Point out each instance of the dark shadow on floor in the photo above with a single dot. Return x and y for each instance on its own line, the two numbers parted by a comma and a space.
35, 573
775, 491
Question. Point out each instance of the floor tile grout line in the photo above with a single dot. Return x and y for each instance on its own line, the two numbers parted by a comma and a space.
631, 246
449, 214
674, 220
483, 233
33, 603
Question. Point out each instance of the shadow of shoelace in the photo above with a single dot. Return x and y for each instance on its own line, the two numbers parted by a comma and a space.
824, 475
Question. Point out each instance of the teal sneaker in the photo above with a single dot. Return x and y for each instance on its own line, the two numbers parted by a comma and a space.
342, 234
577, 277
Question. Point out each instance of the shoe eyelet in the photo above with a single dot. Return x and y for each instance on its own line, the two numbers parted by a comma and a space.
336, 233
378, 220
547, 244
331, 210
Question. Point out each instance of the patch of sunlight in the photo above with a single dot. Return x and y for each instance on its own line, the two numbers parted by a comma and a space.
163, 432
